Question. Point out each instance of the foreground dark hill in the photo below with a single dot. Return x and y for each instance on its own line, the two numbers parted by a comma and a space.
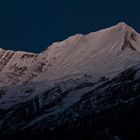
90, 91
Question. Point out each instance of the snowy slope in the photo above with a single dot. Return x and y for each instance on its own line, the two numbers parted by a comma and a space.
100, 53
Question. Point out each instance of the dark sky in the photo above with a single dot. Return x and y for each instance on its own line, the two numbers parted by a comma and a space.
34, 25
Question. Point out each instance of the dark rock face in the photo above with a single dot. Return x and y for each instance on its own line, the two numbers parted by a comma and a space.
14, 65
108, 110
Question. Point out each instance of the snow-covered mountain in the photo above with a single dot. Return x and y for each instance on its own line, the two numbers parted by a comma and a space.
85, 87
105, 52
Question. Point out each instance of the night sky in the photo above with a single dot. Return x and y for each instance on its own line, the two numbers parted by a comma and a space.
34, 25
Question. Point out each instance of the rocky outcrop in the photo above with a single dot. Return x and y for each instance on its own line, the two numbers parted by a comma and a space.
14, 66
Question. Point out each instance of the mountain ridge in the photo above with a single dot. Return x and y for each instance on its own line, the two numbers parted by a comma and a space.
71, 56
121, 25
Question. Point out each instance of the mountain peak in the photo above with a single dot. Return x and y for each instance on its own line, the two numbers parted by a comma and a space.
130, 36
123, 24
125, 27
